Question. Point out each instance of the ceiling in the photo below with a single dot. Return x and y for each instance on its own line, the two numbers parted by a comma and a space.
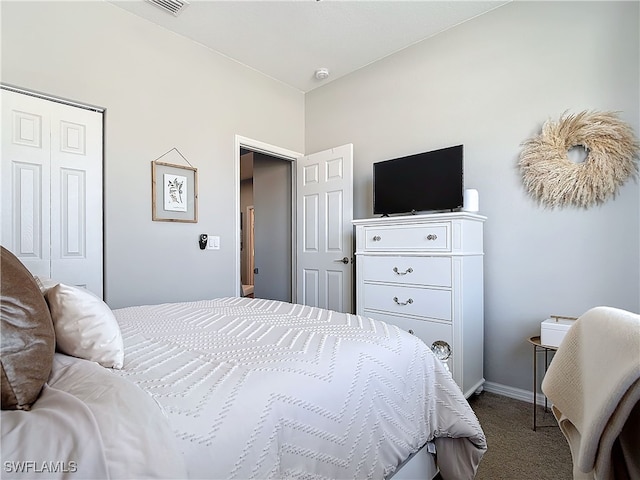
289, 40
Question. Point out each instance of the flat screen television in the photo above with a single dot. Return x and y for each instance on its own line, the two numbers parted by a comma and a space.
422, 182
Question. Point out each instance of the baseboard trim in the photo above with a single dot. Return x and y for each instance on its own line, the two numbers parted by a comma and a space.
512, 392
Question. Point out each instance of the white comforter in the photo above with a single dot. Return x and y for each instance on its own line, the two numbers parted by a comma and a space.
89, 424
264, 389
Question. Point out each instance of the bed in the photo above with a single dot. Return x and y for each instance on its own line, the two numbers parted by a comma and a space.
231, 388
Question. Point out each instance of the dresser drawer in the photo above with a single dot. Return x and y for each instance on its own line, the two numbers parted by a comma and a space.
425, 330
435, 271
401, 300
432, 237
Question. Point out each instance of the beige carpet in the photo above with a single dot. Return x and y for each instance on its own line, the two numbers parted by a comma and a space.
515, 451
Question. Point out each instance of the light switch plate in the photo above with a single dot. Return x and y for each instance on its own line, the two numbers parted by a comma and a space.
214, 242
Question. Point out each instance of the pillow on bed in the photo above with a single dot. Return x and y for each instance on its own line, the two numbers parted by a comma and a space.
85, 326
28, 340
45, 283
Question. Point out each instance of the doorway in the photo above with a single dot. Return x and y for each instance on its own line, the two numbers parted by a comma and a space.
266, 225
320, 232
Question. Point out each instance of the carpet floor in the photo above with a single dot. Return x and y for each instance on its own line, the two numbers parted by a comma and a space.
515, 451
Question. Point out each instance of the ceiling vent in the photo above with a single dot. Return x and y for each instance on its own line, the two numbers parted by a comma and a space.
174, 7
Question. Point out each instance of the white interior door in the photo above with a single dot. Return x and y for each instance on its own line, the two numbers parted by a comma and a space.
324, 200
52, 188
76, 196
25, 177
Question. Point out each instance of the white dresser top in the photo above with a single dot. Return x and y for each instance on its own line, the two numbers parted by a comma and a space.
400, 219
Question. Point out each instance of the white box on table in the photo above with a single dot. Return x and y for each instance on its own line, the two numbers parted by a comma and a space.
553, 330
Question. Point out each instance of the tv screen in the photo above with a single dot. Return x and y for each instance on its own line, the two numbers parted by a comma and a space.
421, 182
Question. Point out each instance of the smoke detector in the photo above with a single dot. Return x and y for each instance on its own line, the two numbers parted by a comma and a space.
174, 7
322, 73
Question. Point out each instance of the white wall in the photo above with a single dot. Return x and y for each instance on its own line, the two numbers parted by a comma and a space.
490, 84
160, 91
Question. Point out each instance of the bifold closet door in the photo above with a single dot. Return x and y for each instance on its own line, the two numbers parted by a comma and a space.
52, 188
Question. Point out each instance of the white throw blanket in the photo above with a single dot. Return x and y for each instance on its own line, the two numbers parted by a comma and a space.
594, 384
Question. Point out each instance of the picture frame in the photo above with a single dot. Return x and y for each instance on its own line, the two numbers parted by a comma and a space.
174, 193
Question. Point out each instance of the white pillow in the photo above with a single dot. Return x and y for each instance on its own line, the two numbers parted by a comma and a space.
45, 283
85, 326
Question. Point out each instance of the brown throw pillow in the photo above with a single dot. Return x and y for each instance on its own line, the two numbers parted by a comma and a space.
28, 340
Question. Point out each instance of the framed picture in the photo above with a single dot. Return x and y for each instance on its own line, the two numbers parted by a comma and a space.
174, 193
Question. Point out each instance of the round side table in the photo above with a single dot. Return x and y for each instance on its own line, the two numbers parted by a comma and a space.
537, 348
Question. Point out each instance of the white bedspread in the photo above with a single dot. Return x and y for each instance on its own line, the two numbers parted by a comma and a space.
264, 389
89, 424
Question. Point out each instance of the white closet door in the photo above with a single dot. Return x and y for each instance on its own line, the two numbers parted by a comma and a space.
26, 153
76, 196
52, 188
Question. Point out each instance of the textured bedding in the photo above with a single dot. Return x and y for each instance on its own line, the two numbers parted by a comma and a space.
263, 389
89, 424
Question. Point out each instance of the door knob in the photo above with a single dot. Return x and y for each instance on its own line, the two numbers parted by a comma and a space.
344, 260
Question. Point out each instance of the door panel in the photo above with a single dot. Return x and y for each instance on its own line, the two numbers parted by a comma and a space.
26, 146
335, 222
310, 223
76, 193
335, 286
310, 287
324, 196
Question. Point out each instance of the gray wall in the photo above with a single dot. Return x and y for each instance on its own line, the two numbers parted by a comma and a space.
490, 84
272, 209
160, 91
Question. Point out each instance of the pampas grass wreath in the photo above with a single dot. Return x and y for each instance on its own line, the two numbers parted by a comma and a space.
552, 179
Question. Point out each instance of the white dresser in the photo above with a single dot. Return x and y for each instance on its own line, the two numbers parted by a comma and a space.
424, 273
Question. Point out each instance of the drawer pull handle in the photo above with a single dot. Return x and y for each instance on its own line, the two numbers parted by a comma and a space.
432, 236
408, 302
408, 270
377, 238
